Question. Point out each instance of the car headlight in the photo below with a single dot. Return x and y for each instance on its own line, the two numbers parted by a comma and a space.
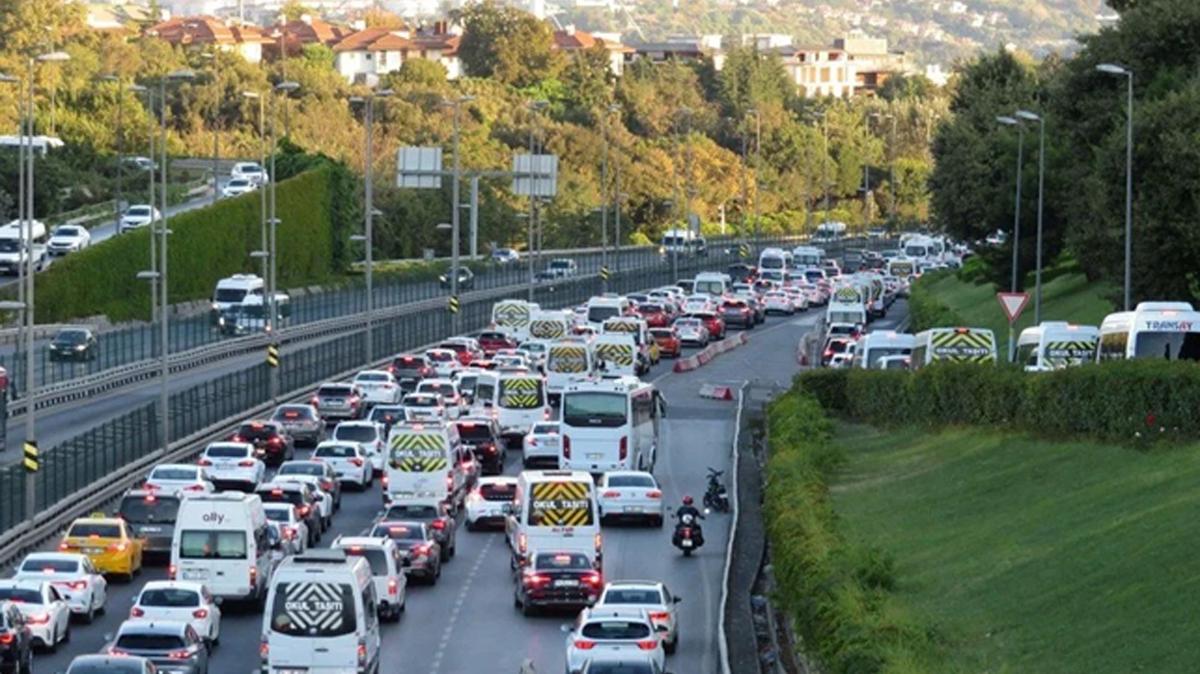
81, 347
53, 347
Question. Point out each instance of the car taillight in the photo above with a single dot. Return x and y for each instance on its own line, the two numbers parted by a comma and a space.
289, 533
440, 525
535, 579
648, 644
522, 543
204, 462
275, 441
200, 613
117, 547
38, 619
171, 571
383, 481
264, 649
327, 485
362, 653
113, 650
393, 587
624, 452
248, 463
302, 511
598, 541
237, 438
353, 401
533, 442
315, 401
253, 574
653, 493
64, 546
592, 578
182, 654
611, 494
7, 638
194, 487
566, 446
584, 644
357, 462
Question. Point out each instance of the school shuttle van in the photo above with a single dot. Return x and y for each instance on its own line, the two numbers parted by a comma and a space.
1169, 330
874, 346
610, 424
616, 353
1054, 345
321, 616
554, 510
955, 345
566, 362
549, 325
222, 540
512, 317
424, 463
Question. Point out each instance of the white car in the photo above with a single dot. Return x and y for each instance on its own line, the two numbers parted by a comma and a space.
535, 352
324, 498
692, 331
348, 460
485, 503
68, 239
179, 601
542, 445
179, 478
601, 631
778, 301
799, 298
379, 387
505, 255
237, 187
651, 596
510, 362
233, 463
292, 529
137, 215
73, 575
387, 570
451, 398
249, 170
630, 495
368, 435
424, 407
445, 362
46, 613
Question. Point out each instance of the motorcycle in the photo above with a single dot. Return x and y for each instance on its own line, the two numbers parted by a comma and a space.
715, 496
688, 536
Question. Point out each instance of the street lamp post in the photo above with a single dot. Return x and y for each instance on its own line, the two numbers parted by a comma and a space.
534, 107
891, 162
285, 87
1114, 69
1037, 285
369, 214
616, 191
1016, 241
455, 206
262, 151
757, 167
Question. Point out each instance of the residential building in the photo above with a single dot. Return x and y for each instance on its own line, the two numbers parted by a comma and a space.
370, 53
306, 30
766, 41
873, 62
680, 49
208, 32
571, 39
821, 71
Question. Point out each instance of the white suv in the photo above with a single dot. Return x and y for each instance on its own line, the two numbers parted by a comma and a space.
250, 171
387, 570
233, 463
348, 460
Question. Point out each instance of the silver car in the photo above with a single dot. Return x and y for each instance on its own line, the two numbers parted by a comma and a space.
655, 598
302, 422
339, 401
692, 331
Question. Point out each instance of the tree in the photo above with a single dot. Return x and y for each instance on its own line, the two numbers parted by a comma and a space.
293, 10
506, 44
30, 25
588, 81
418, 72
902, 86
751, 79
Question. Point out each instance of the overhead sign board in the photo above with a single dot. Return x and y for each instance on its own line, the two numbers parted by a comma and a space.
535, 175
419, 167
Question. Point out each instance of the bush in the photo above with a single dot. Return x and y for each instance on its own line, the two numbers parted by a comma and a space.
1128, 401
839, 594
207, 244
925, 309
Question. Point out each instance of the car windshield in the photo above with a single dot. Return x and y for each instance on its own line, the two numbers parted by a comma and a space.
594, 409
239, 182
256, 431
355, 433
620, 667
562, 561
408, 365
443, 389
545, 429
376, 558
150, 642
386, 415
227, 452
625, 630
497, 491
630, 595
41, 565
94, 530
420, 401
688, 323
230, 294
631, 481
9, 246
169, 597
371, 376
313, 609
307, 468
599, 314
68, 231
173, 474
139, 211
335, 391
560, 264
150, 509
279, 514
72, 336
20, 595
195, 544
411, 512
473, 432
107, 666
336, 452
294, 413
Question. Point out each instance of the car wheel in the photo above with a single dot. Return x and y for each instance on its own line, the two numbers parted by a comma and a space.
27, 667
670, 646
66, 636
90, 616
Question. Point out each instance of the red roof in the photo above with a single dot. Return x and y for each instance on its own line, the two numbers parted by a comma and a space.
574, 39
205, 30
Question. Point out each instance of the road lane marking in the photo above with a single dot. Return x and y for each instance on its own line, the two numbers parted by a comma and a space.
448, 633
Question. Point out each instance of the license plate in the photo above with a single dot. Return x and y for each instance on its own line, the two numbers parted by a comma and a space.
633, 509
595, 455
551, 442
566, 583
92, 551
195, 574
335, 401
687, 542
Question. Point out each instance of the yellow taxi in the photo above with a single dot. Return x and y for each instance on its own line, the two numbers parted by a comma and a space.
107, 541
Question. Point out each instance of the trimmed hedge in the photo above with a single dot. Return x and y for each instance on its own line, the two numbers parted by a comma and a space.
1125, 401
207, 244
838, 592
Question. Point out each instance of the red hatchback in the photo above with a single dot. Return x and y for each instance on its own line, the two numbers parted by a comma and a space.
491, 342
668, 341
465, 349
716, 326
655, 315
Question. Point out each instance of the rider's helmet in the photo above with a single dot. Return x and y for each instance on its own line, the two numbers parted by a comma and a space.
687, 500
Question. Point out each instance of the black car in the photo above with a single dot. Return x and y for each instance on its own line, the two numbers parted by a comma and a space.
482, 436
271, 443
73, 345
296, 494
422, 554
441, 524
151, 517
557, 579
466, 279
16, 641
741, 272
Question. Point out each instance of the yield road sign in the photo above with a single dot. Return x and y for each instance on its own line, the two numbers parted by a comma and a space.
1013, 304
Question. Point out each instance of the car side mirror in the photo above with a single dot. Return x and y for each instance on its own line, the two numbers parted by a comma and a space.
676, 600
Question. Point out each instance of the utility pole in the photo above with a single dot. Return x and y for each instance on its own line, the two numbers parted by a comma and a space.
262, 189
534, 106
455, 207
604, 204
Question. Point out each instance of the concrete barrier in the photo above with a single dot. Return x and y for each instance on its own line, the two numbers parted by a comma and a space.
705, 355
716, 391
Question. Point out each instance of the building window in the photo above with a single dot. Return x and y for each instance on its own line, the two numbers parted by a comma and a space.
825, 74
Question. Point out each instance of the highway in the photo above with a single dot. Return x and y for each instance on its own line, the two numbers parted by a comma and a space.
467, 622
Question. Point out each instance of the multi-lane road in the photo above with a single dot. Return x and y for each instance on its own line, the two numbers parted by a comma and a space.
467, 622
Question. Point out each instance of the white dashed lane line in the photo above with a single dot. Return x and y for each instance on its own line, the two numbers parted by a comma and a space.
448, 633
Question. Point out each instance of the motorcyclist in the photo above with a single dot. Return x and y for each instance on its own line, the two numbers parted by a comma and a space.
688, 509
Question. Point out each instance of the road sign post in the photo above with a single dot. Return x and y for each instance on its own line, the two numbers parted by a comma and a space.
1012, 304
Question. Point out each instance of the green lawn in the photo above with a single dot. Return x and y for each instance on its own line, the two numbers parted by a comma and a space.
1069, 297
1029, 556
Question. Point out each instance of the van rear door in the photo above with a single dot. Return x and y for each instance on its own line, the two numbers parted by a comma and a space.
219, 558
314, 625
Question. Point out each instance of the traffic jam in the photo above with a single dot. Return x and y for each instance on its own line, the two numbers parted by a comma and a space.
541, 431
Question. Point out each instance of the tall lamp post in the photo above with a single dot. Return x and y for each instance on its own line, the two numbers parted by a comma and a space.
891, 163
368, 236
285, 88
456, 104
1028, 116
534, 107
1016, 240
616, 192
757, 167
262, 151
1114, 69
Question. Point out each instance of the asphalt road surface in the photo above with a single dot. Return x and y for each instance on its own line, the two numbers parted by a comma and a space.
467, 621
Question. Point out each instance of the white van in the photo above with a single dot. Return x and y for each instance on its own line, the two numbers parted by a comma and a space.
807, 256
600, 309
881, 344
223, 541
13, 254
425, 461
566, 362
517, 402
554, 510
549, 325
610, 424
322, 616
233, 290
1169, 330
775, 260
712, 283
616, 354
847, 305
512, 318
958, 345
1054, 345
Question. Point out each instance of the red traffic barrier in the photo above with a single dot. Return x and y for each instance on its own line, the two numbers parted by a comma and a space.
716, 392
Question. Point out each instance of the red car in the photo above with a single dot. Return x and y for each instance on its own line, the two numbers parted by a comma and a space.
466, 349
716, 326
491, 342
668, 341
655, 315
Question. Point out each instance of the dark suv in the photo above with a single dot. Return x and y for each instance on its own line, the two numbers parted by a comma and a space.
151, 517
295, 494
16, 641
739, 312
482, 436
271, 443
173, 646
